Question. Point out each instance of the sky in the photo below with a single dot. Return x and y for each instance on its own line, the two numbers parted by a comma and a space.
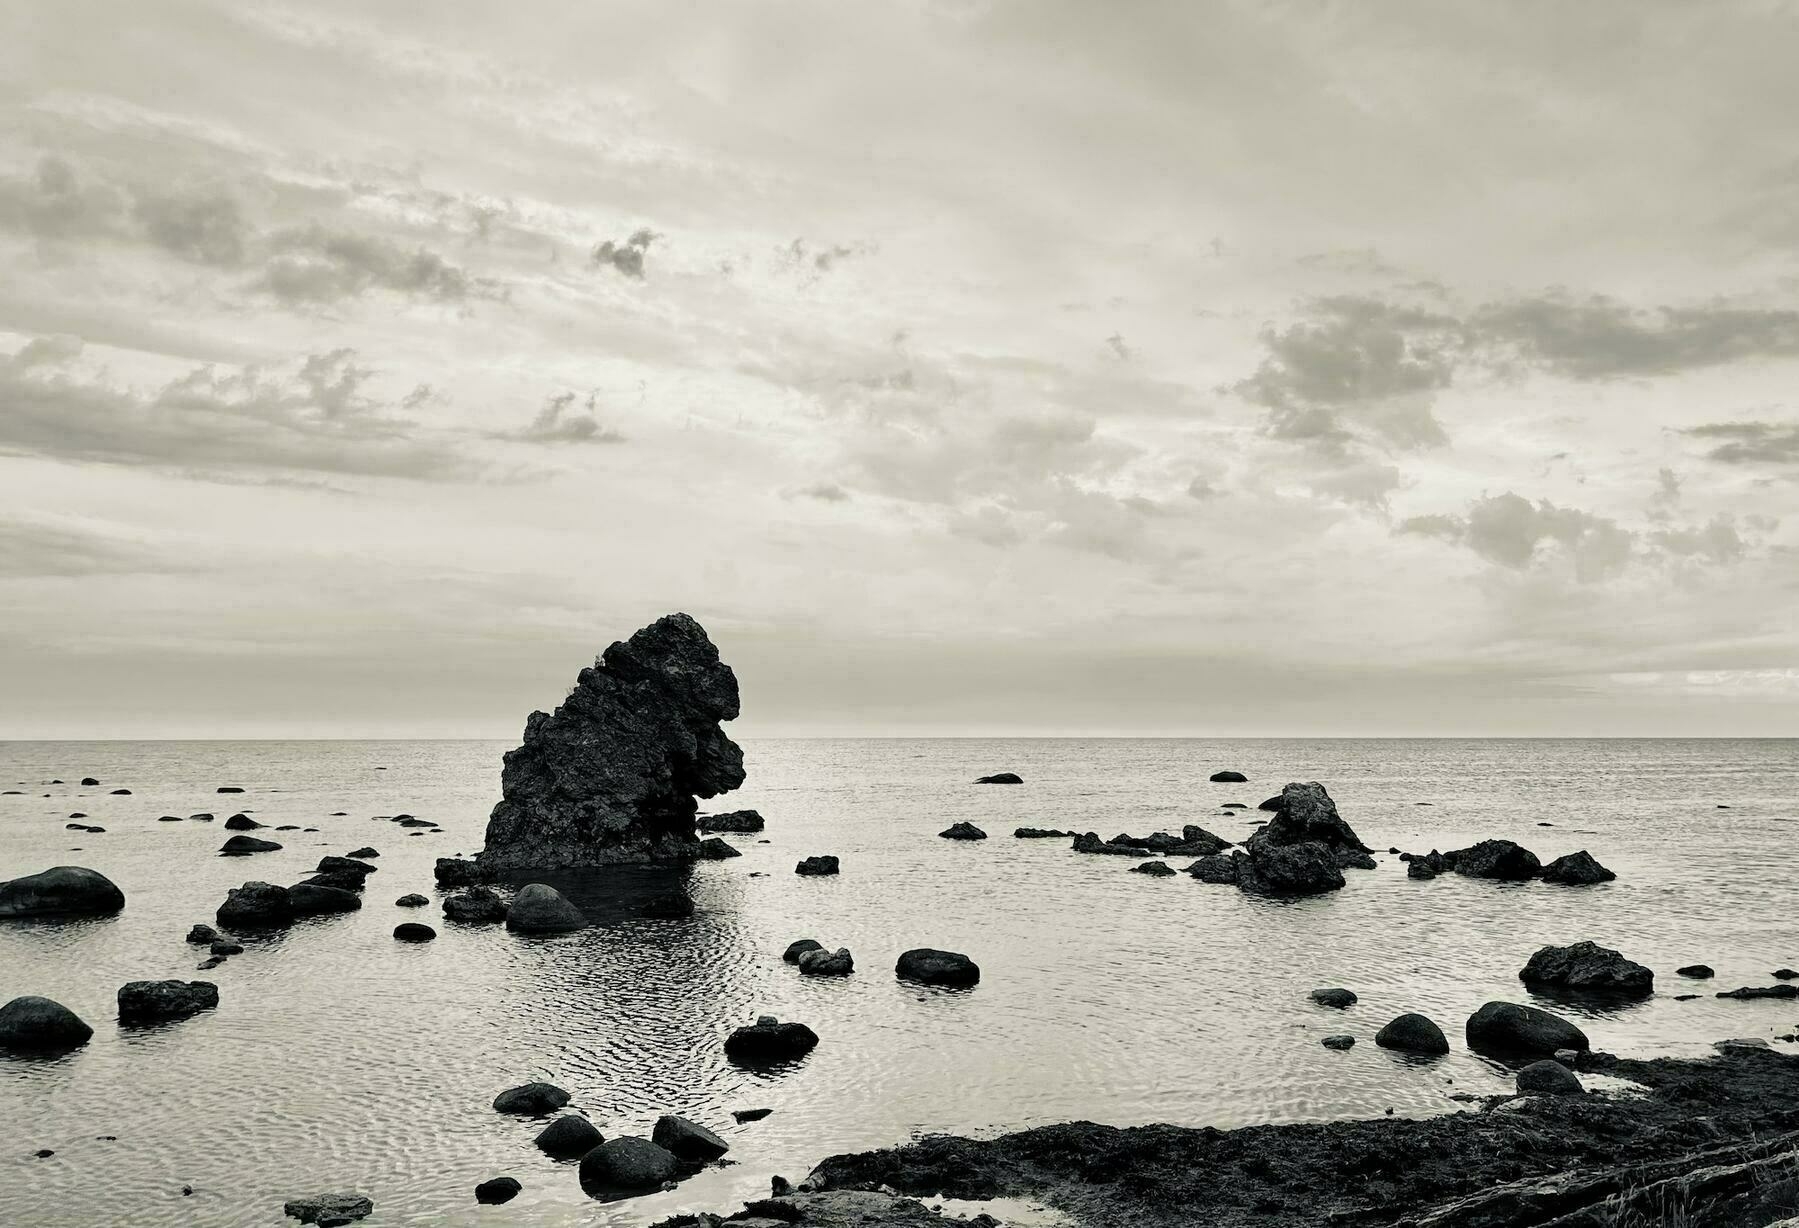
964, 366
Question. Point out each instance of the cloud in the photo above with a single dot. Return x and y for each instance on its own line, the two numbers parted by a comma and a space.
32, 548
53, 203
314, 263
555, 423
1510, 531
205, 227
824, 492
1597, 338
1751, 443
313, 417
626, 257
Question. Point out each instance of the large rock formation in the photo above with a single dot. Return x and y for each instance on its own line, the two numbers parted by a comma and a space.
612, 774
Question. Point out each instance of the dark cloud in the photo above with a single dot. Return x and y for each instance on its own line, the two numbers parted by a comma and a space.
206, 227
1750, 443
312, 417
626, 257
314, 263
54, 203
1511, 531
824, 492
1600, 338
559, 422
35, 549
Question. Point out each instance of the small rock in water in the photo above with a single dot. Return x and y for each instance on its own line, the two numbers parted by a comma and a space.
1548, 1078
962, 831
799, 947
531, 1099
1040, 833
497, 1190
457, 872
933, 967
541, 909
345, 865
1697, 971
157, 1001
1577, 870
1785, 974
256, 905
34, 1024
121, 792
317, 900
1000, 778
742, 822
201, 935
1342, 999
714, 849
569, 1138
475, 905
687, 1140
414, 931
1338, 1042
1497, 859
242, 822
365, 851
627, 1165
1155, 869
1588, 966
815, 866
1413, 1033
769, 1040
89, 782
1784, 990
209, 963
412, 900
827, 963
229, 789
1229, 778
329, 1209
1506, 1028
242, 846
743, 1115
71, 891
222, 948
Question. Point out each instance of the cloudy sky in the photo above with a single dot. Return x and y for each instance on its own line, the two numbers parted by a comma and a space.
964, 366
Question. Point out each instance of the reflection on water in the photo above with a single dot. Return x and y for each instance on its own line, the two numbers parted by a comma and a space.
341, 1059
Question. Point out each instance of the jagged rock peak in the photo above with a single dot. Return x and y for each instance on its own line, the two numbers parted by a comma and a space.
612, 774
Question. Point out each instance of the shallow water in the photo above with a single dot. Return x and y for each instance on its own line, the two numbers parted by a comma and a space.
339, 1059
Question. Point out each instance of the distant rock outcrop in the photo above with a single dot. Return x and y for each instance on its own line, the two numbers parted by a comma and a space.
612, 774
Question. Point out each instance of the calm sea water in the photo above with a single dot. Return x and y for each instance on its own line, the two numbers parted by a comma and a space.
340, 1059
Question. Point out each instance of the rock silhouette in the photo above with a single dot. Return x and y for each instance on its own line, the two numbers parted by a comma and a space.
69, 891
611, 775
1505, 1028
32, 1024
1588, 966
156, 1001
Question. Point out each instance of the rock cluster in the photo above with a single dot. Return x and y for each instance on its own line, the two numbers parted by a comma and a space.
611, 775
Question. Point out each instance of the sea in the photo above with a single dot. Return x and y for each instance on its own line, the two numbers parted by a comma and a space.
341, 1060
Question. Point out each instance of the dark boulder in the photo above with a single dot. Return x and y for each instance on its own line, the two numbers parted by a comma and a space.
34, 1024
817, 866
742, 822
1307, 815
743, 1115
61, 891
242, 822
569, 1138
1412, 1033
1217, 869
329, 1209
1786, 989
89, 782
714, 849
412, 900
457, 872
243, 846
314, 900
799, 947
1577, 870
1270, 803
229, 789
626, 1165
202, 935
362, 853
158, 1001
1423, 867
1288, 870
1697, 971
1784, 974
1155, 869
1352, 859
530, 1099
770, 1040
1498, 859
962, 831
1089, 842
414, 931
932, 967
1342, 999
1196, 841
1339, 1042
338, 879
476, 905
1590, 967
827, 963
1229, 778
540, 909
255, 905
1038, 833
611, 775
345, 865
1548, 1078
687, 1140
497, 1190
1000, 778
1506, 1028
223, 948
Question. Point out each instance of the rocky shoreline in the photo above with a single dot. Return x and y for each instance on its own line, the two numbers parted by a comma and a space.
1711, 1142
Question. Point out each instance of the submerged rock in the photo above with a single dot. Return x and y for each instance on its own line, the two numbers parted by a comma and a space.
1577, 870
1588, 966
770, 1040
1548, 1078
476, 905
256, 905
328, 1209
1038, 833
1338, 1042
687, 1140
65, 891
823, 864
1342, 999
714, 849
1506, 1028
569, 1138
1229, 778
1413, 1033
1089, 842
627, 1165
242, 822
611, 775
1786, 989
530, 1099
411, 899
34, 1024
157, 1001
1000, 778
933, 967
1156, 869
540, 909
1500, 859
414, 931
827, 963
962, 831
317, 900
202, 935
345, 865
1217, 868
742, 822
1697, 971
362, 853
497, 1190
243, 846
